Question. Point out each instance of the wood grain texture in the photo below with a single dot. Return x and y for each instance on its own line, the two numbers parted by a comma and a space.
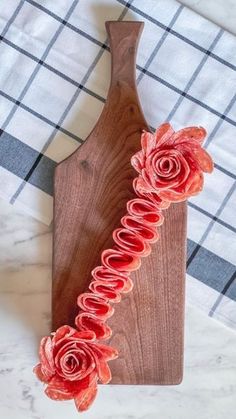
91, 189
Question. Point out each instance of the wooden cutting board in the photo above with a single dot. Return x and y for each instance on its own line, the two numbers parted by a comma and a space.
91, 189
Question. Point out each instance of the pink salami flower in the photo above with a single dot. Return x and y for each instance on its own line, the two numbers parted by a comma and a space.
72, 363
171, 163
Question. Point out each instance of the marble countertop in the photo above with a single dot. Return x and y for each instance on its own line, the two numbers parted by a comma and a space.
209, 387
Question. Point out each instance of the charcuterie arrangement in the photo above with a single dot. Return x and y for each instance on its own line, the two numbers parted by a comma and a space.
170, 167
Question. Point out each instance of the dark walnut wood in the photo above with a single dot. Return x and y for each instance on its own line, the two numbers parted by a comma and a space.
91, 189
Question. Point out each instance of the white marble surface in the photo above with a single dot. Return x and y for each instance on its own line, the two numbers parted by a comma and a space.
209, 387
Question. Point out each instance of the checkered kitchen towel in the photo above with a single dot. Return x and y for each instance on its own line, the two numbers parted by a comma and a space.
55, 70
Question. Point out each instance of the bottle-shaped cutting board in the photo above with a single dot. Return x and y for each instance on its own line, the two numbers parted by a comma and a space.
91, 189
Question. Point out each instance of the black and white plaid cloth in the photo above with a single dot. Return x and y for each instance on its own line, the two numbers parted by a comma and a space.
55, 70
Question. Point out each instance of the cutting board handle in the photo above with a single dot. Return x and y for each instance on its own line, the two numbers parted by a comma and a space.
123, 39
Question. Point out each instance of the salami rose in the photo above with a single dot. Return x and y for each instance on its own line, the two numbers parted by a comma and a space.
171, 163
71, 363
